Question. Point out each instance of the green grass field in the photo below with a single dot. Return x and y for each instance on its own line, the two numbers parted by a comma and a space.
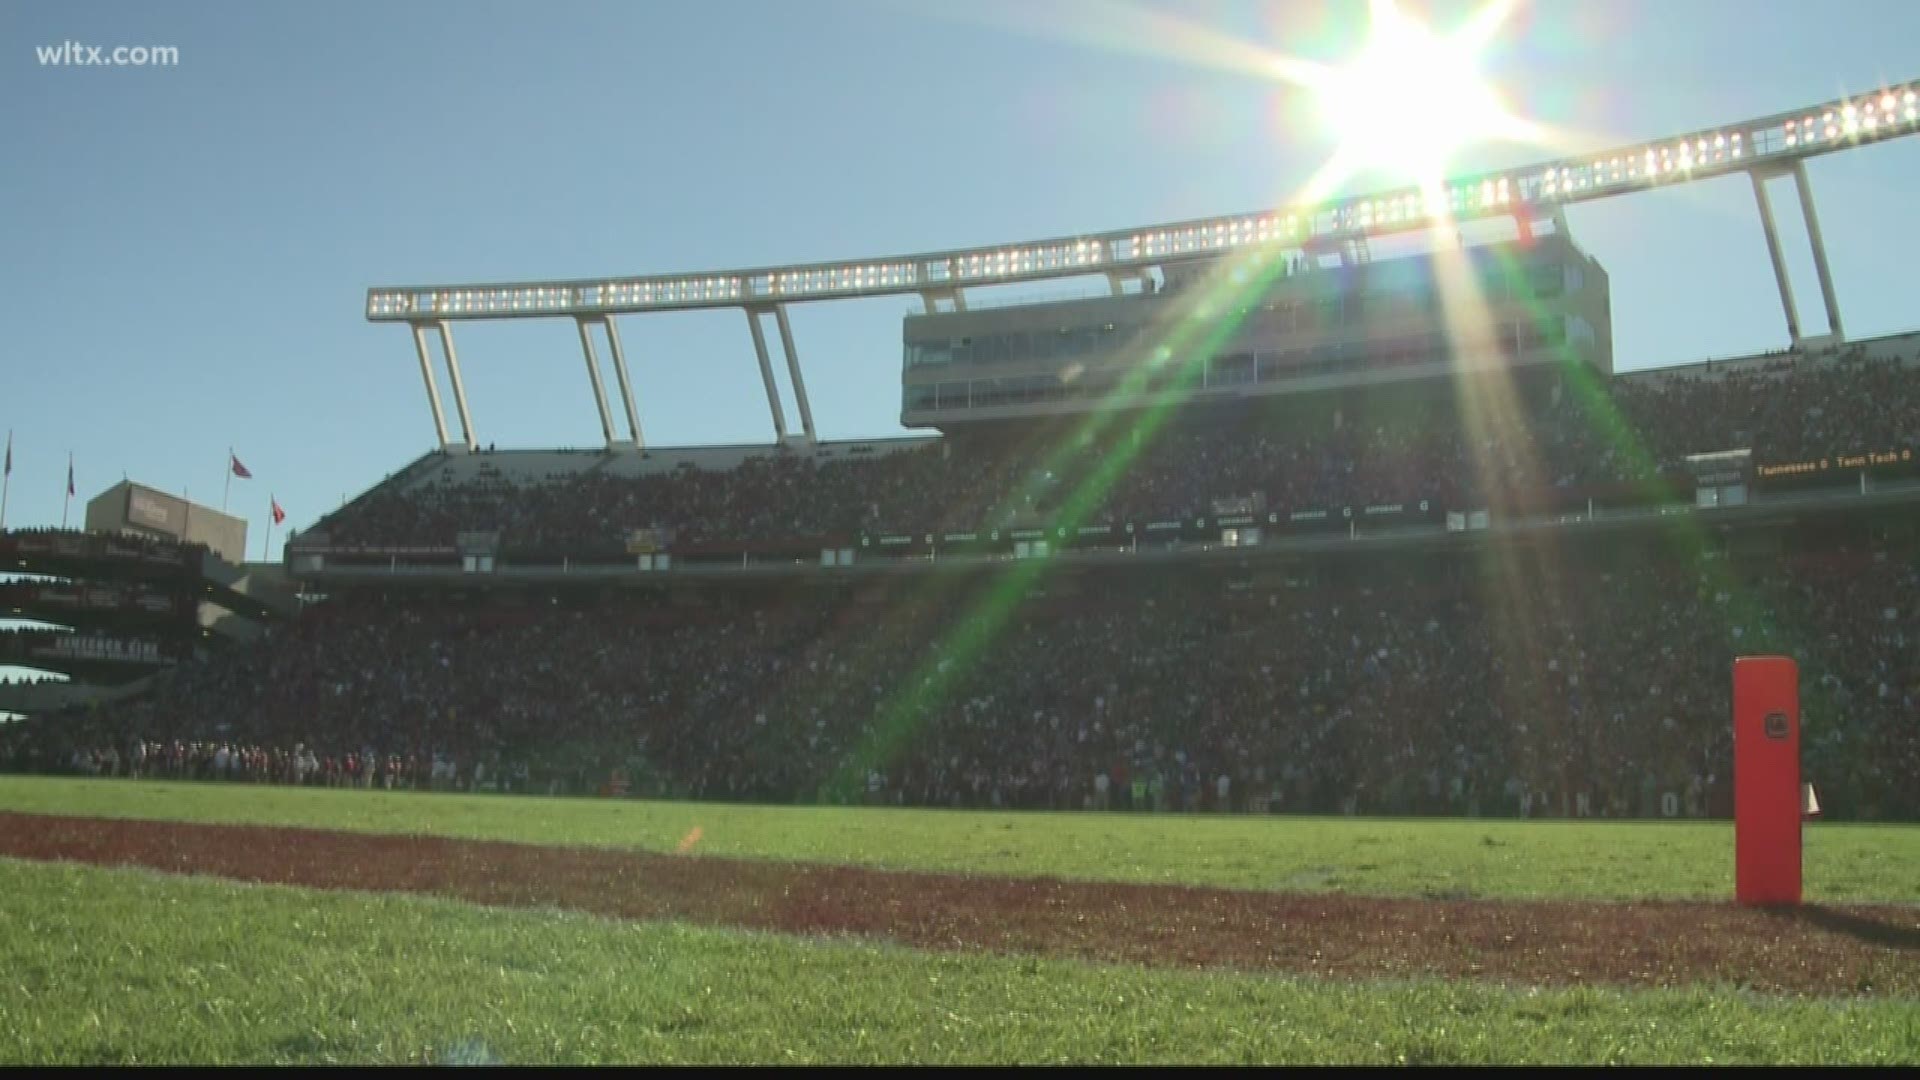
1366, 856
105, 966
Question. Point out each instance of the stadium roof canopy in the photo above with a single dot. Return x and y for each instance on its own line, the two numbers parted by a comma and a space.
1764, 148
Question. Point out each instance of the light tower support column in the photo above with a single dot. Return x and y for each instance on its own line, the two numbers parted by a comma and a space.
793, 371
459, 387
1805, 187
1773, 252
426, 375
766, 375
593, 375
626, 382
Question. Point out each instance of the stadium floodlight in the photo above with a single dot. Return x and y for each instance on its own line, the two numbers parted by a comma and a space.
1769, 142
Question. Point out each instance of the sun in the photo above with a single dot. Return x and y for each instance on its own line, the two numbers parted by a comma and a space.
1412, 99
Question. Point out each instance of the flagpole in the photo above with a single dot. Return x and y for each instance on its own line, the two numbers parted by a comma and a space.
6, 481
267, 544
68, 502
229, 484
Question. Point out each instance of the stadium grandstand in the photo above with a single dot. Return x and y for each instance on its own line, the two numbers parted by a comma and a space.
1266, 527
152, 582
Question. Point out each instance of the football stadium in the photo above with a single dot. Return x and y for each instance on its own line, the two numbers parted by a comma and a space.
1283, 637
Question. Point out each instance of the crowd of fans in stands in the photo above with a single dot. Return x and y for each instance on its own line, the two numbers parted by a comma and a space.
301, 765
1491, 441
1515, 682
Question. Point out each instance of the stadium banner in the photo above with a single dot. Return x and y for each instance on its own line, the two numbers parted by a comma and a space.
358, 557
885, 544
36, 597
1308, 519
1203, 528
1087, 537
1002, 541
1159, 531
964, 542
82, 547
1412, 512
157, 511
97, 648
387, 551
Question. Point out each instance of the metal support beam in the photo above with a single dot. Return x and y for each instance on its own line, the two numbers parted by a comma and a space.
793, 371
599, 387
766, 375
626, 382
1773, 252
952, 295
426, 375
459, 387
1805, 187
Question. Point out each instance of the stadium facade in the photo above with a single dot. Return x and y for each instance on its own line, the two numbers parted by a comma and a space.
1306, 328
153, 582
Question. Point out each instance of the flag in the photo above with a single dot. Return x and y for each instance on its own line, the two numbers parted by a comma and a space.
239, 470
279, 515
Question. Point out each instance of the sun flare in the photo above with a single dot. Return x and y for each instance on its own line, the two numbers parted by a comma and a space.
1412, 99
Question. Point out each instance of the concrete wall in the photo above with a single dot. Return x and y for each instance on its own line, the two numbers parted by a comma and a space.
227, 536
128, 507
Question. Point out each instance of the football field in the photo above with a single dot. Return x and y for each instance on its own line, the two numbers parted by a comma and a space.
231, 923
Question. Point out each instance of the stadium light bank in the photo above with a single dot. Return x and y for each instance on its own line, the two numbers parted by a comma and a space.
1763, 148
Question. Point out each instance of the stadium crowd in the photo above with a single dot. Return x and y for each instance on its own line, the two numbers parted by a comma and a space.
299, 765
1507, 444
1517, 681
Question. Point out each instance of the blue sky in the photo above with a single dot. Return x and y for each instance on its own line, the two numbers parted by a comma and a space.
188, 248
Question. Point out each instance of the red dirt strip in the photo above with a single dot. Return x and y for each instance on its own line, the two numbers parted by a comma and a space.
1818, 949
